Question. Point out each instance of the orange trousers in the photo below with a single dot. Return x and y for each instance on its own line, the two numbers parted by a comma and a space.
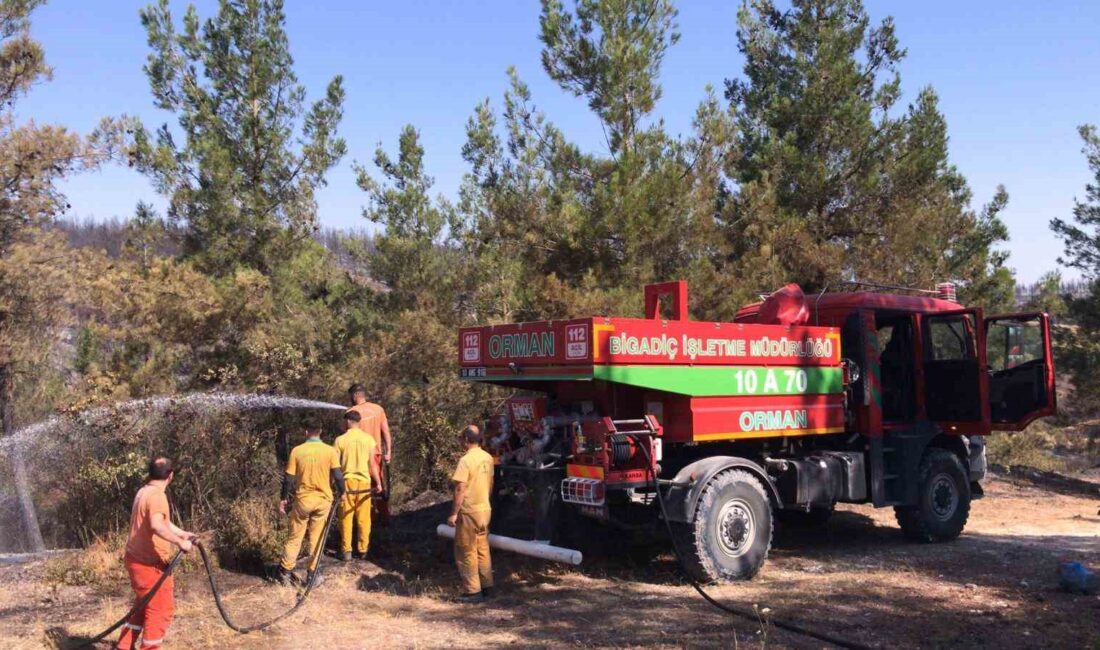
380, 508
151, 622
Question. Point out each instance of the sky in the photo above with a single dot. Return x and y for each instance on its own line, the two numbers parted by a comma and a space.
1015, 79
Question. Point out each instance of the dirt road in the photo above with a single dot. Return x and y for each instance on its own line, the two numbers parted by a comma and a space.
995, 587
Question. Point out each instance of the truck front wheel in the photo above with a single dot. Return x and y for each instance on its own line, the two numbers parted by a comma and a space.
730, 535
944, 499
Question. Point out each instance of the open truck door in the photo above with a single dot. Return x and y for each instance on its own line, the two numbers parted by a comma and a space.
951, 373
1021, 369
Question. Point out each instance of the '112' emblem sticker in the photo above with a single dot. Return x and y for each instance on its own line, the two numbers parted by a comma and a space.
576, 342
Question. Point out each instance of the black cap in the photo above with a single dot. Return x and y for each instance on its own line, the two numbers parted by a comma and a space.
357, 388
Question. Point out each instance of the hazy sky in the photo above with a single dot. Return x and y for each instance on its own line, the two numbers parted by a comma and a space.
1015, 78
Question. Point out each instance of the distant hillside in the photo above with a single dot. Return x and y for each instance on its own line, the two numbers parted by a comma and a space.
1078, 288
162, 239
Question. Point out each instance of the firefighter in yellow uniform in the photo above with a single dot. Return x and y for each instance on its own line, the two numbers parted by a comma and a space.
358, 460
470, 515
311, 470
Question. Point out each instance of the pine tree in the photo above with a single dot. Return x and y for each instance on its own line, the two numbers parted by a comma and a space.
144, 233
1048, 296
610, 53
413, 255
835, 183
244, 177
1082, 235
591, 227
1080, 352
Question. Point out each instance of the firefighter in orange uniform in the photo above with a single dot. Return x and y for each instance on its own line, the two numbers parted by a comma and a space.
149, 549
470, 515
372, 419
358, 453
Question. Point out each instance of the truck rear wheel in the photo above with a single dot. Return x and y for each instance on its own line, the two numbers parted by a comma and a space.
944, 499
731, 533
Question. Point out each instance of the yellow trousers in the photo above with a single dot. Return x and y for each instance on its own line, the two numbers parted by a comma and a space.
355, 515
472, 551
307, 519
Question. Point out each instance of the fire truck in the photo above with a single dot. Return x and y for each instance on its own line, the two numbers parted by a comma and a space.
876, 396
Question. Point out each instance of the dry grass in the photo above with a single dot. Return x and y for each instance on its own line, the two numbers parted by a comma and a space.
1045, 445
99, 565
250, 536
994, 587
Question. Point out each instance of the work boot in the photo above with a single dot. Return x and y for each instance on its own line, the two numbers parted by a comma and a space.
317, 577
470, 599
345, 556
487, 592
286, 577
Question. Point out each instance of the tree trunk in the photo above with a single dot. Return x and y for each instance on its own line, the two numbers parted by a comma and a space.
7, 427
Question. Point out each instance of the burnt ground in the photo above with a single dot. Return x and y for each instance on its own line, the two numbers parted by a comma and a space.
995, 587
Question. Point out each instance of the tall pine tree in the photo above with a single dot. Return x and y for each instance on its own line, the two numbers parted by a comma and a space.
244, 177
414, 256
1080, 352
591, 226
835, 183
1081, 235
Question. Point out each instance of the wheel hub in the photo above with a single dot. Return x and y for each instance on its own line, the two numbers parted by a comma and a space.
945, 497
736, 527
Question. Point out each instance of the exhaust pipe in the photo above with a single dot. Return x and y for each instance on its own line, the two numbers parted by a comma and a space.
541, 550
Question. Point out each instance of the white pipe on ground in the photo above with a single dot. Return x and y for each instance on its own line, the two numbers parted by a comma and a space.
540, 550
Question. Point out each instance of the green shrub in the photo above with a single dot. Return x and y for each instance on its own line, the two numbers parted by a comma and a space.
1031, 447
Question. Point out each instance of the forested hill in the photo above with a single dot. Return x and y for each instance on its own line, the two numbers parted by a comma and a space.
350, 248
157, 238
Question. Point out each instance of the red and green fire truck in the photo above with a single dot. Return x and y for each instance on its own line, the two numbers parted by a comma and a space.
800, 403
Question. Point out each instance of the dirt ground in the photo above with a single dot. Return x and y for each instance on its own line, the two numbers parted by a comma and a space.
995, 587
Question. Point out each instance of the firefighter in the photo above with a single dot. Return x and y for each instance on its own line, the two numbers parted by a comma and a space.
311, 470
470, 514
372, 419
149, 549
357, 451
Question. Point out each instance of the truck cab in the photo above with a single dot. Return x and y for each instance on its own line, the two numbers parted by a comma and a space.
930, 372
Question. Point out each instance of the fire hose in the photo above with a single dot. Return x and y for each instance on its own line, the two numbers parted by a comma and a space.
311, 581
731, 609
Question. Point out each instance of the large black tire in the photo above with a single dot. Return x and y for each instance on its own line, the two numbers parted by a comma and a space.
731, 533
944, 499
817, 517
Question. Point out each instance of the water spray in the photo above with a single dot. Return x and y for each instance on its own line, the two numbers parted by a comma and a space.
209, 401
